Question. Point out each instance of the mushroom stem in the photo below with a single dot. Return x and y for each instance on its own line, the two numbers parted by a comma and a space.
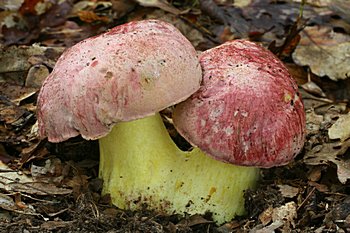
142, 166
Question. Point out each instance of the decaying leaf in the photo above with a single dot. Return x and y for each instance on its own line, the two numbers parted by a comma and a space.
54, 225
326, 52
13, 181
192, 34
288, 191
122, 7
286, 214
90, 17
7, 203
266, 216
341, 7
313, 122
341, 128
282, 217
21, 58
330, 153
162, 4
17, 60
11, 5
36, 76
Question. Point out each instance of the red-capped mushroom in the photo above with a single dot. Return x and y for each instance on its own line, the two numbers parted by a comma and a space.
248, 111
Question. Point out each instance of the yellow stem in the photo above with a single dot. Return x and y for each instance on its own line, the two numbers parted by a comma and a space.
142, 166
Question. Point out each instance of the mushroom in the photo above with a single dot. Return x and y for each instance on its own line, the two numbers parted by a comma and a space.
111, 87
130, 72
248, 110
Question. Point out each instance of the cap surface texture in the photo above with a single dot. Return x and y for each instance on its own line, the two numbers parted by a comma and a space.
247, 111
127, 73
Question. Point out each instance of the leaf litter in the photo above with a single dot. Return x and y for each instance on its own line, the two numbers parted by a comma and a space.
48, 187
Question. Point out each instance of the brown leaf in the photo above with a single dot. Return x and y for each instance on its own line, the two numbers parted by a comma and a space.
90, 17
193, 220
28, 7
341, 128
162, 4
210, 8
288, 191
7, 203
79, 184
266, 216
13, 181
329, 153
54, 225
325, 51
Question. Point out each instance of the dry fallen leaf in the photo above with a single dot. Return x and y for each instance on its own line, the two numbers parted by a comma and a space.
288, 191
282, 217
17, 60
162, 4
313, 122
266, 216
286, 214
341, 128
7, 203
13, 181
326, 52
329, 153
191, 33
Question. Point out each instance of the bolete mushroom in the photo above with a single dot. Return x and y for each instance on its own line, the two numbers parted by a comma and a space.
248, 110
110, 88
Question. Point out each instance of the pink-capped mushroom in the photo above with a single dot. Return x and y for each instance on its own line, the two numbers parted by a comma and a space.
111, 87
127, 73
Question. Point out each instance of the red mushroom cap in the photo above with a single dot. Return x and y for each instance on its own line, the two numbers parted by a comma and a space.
247, 111
127, 73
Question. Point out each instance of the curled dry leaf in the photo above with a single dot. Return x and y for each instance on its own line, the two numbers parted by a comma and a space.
326, 52
36, 76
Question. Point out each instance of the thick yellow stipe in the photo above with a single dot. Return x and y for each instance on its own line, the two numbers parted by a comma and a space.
141, 166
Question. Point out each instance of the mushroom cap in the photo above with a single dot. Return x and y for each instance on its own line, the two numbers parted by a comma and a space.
130, 72
247, 111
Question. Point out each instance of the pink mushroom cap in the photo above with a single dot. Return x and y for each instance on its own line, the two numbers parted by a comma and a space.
130, 72
247, 111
